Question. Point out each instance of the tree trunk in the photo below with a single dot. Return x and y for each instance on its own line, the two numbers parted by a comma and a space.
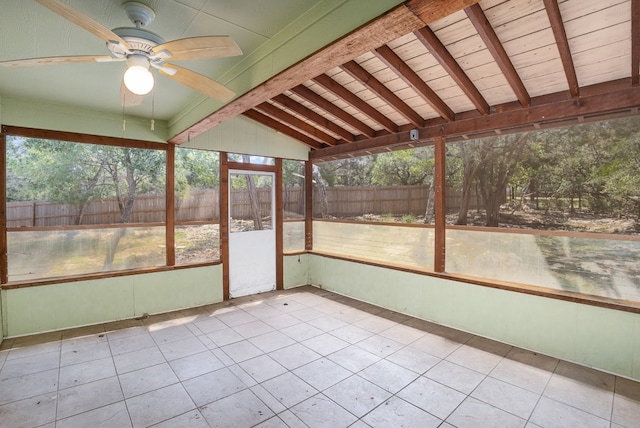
429, 211
253, 198
322, 189
91, 185
470, 172
255, 203
125, 203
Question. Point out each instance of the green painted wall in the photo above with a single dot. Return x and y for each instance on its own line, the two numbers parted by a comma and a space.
296, 271
58, 117
242, 135
601, 338
58, 306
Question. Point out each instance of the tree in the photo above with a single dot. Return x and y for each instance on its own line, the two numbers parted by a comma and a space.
132, 171
403, 167
489, 162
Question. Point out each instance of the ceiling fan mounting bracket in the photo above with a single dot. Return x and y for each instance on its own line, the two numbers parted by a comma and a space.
141, 15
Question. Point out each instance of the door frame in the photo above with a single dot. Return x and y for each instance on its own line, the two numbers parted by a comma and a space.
225, 167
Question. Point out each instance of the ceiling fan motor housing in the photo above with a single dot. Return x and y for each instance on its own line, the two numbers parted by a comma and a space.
141, 15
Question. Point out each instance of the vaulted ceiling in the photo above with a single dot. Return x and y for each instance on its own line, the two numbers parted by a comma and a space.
458, 69
421, 70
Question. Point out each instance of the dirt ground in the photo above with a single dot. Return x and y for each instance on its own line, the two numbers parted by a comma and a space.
531, 219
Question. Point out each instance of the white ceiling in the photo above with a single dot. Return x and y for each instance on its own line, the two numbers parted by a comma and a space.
29, 30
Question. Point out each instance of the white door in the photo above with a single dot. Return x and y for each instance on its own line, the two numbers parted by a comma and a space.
252, 236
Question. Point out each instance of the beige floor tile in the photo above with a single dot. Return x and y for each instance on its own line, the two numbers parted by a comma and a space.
191, 419
626, 403
242, 409
82, 373
19, 388
182, 348
82, 398
271, 341
30, 364
159, 405
147, 379
262, 368
432, 397
241, 351
137, 360
583, 388
112, 415
322, 373
353, 358
389, 376
294, 356
253, 329
325, 344
473, 413
396, 412
289, 389
454, 376
201, 391
553, 414
319, 411
379, 345
195, 365
479, 354
357, 394
525, 369
507, 397
413, 359
30, 412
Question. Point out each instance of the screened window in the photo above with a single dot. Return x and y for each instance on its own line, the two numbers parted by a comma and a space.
197, 206
75, 208
294, 205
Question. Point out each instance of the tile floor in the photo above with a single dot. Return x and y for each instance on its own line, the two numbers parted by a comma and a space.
299, 358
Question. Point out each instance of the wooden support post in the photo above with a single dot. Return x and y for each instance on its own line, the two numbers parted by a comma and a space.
170, 205
439, 204
4, 273
224, 223
279, 188
308, 205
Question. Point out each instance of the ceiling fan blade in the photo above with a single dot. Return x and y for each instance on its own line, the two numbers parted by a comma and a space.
83, 21
197, 48
197, 82
53, 60
128, 98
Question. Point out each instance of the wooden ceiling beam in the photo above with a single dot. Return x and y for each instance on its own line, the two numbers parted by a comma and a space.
557, 25
488, 35
311, 115
294, 122
332, 109
635, 42
432, 10
448, 62
282, 128
356, 102
411, 78
389, 26
597, 100
368, 80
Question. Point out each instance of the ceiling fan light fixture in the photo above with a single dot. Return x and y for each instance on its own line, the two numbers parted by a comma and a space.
138, 79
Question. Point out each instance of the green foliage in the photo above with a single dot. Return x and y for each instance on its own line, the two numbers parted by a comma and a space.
403, 167
409, 219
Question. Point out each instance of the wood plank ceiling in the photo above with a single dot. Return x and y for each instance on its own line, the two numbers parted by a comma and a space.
477, 68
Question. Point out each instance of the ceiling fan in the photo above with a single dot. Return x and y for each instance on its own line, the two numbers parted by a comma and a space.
141, 48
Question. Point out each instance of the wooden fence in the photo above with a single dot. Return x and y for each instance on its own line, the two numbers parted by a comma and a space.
203, 205
383, 200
